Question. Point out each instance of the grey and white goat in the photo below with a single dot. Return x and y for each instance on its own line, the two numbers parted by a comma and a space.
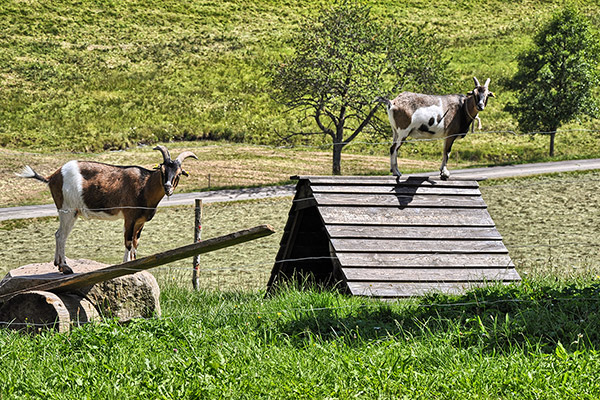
425, 116
102, 191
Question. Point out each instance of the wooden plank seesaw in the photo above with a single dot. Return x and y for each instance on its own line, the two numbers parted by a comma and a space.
75, 281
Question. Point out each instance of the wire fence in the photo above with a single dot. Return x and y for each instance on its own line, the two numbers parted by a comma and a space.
560, 238
354, 307
549, 225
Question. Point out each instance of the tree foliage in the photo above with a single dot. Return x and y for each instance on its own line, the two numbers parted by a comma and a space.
346, 58
556, 77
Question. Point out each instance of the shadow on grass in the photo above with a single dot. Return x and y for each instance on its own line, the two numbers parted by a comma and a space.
495, 318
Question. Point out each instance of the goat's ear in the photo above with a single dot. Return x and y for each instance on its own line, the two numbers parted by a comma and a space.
184, 172
491, 94
157, 166
470, 93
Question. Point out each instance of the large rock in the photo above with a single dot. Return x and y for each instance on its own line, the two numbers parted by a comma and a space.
124, 298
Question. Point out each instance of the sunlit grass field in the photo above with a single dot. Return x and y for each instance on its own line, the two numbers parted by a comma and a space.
76, 80
104, 75
549, 224
536, 339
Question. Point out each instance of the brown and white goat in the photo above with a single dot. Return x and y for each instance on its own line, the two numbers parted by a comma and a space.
102, 191
425, 116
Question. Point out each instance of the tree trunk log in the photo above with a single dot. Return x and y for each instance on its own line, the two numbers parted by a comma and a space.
337, 158
552, 144
37, 310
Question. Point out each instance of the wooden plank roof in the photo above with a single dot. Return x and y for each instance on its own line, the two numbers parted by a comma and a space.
390, 237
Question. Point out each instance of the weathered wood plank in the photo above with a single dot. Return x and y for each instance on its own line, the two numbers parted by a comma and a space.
408, 216
76, 281
383, 189
412, 232
418, 246
387, 180
391, 290
430, 274
383, 260
398, 200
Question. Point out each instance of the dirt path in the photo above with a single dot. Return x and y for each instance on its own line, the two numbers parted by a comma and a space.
288, 190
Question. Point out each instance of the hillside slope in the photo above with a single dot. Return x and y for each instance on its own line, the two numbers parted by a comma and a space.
102, 74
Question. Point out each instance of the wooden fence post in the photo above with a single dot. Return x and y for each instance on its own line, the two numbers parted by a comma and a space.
197, 238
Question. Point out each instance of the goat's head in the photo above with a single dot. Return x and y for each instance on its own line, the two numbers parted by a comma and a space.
481, 94
171, 170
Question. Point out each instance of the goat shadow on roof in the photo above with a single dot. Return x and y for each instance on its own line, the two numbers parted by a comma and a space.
406, 189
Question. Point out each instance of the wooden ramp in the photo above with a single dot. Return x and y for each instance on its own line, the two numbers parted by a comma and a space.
66, 283
389, 237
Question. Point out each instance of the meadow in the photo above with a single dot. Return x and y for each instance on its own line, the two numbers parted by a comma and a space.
106, 81
537, 339
112, 75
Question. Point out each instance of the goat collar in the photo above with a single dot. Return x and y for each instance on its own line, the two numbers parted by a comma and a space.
473, 118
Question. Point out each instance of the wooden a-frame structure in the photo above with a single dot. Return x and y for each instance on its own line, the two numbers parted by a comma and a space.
391, 237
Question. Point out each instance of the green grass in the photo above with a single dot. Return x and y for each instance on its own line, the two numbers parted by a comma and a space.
537, 339
109, 75
549, 223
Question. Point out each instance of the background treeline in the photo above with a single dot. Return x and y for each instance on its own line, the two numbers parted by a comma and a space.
98, 75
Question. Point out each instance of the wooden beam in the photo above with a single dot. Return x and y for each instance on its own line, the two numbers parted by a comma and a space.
398, 200
76, 281
431, 260
399, 190
414, 275
379, 246
395, 290
408, 216
387, 180
412, 232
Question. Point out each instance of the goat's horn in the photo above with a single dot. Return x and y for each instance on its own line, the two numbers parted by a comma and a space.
476, 82
487, 82
185, 155
165, 153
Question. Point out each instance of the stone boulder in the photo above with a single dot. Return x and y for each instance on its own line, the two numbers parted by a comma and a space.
124, 298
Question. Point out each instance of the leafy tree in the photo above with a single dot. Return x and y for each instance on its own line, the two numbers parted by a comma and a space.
346, 58
556, 77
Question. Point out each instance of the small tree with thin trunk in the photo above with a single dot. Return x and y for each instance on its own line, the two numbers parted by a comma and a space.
555, 78
342, 61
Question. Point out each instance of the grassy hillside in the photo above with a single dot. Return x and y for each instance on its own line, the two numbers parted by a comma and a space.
102, 74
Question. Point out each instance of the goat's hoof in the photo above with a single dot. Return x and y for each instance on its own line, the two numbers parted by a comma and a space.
65, 269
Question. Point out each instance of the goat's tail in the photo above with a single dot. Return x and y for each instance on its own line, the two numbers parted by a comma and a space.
28, 172
381, 99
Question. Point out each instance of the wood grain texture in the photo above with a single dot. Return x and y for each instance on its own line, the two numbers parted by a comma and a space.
387, 181
400, 190
410, 289
398, 200
408, 216
393, 260
412, 232
430, 274
418, 246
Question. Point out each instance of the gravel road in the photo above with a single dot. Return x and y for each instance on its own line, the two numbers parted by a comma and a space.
288, 190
